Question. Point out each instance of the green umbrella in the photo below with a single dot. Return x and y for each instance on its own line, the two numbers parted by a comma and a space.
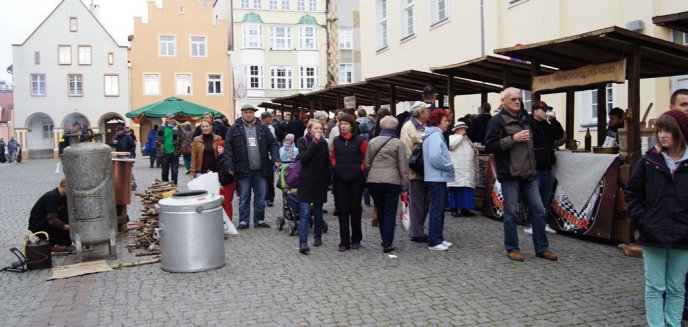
173, 105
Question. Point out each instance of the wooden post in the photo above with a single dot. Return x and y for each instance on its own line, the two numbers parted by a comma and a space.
376, 100
312, 107
506, 78
440, 101
340, 102
320, 103
632, 125
451, 94
393, 99
601, 115
535, 70
570, 110
483, 98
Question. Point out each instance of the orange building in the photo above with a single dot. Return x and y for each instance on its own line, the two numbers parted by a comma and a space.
182, 51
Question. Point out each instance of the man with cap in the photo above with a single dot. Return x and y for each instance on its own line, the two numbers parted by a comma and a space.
266, 120
544, 131
419, 201
168, 146
122, 142
249, 147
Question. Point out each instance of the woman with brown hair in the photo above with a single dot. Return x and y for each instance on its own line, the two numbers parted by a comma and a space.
204, 151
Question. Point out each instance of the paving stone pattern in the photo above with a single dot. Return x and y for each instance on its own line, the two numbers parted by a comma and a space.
266, 282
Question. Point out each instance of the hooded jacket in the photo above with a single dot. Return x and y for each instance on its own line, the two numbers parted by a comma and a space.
515, 160
437, 163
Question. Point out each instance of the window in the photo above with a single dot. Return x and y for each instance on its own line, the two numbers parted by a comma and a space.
253, 36
312, 5
111, 58
346, 73
407, 28
285, 4
588, 103
64, 55
38, 85
111, 83
307, 37
382, 24
181, 10
345, 38
280, 78
47, 128
280, 38
273, 4
255, 77
244, 4
680, 37
301, 5
183, 84
84, 54
214, 84
76, 85
527, 100
256, 4
73, 24
198, 46
37, 57
167, 46
438, 11
151, 84
309, 77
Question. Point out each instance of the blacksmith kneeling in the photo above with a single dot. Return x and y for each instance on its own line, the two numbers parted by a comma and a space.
50, 215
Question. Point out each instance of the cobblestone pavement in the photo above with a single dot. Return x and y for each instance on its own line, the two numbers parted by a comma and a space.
266, 282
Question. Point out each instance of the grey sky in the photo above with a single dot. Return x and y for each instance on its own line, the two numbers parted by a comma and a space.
21, 17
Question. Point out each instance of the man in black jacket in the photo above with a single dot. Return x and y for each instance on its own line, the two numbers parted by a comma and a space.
248, 147
122, 142
49, 215
508, 138
478, 127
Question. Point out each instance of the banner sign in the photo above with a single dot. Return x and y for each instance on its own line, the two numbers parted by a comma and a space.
586, 75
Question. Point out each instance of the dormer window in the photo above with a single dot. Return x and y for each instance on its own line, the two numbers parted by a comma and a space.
73, 24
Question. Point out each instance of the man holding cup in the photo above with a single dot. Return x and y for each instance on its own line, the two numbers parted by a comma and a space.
508, 138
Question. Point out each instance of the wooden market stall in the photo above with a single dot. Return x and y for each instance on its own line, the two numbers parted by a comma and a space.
590, 61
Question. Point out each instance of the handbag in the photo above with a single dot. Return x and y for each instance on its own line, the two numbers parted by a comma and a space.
416, 159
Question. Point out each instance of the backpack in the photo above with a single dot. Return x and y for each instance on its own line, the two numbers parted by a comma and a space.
416, 160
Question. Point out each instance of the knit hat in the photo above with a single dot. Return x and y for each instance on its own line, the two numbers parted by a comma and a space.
681, 119
289, 137
348, 118
389, 123
221, 143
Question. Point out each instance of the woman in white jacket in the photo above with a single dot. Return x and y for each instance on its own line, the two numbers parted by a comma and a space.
461, 190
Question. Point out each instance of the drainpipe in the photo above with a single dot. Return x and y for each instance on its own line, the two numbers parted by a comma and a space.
482, 29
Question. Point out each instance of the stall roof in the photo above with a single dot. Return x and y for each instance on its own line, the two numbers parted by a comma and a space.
677, 21
270, 105
417, 80
492, 69
365, 95
658, 57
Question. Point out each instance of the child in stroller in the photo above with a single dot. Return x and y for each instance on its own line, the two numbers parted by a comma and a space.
290, 207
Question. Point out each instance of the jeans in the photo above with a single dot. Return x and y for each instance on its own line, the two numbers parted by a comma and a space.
170, 161
304, 221
545, 181
256, 182
152, 155
529, 191
187, 161
386, 197
347, 200
366, 191
419, 204
437, 191
665, 271
13, 156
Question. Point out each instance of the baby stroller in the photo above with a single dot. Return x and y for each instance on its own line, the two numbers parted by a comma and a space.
290, 207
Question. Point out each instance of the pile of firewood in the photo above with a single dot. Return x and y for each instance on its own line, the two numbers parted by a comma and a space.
149, 216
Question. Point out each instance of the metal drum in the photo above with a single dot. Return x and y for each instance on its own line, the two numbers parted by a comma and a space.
191, 232
90, 195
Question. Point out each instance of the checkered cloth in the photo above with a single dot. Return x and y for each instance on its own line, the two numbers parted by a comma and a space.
580, 173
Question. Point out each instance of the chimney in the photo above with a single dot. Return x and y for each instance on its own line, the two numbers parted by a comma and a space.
94, 9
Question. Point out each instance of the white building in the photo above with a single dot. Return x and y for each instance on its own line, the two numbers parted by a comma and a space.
69, 69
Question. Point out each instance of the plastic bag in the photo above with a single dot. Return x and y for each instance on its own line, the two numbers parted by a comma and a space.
404, 214
209, 182
229, 226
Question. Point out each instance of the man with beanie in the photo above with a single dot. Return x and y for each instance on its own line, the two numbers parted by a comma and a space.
249, 147
122, 142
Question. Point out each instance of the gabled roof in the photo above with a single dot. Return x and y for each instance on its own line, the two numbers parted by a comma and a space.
308, 20
52, 12
252, 18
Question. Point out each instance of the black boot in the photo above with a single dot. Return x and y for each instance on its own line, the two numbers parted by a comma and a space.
455, 213
467, 213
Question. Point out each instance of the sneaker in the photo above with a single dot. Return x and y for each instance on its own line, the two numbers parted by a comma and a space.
528, 230
549, 255
550, 230
355, 246
242, 226
438, 247
343, 248
515, 256
262, 225
447, 244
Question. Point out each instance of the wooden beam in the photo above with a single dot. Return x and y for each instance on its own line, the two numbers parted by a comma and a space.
483, 98
340, 102
451, 94
440, 101
393, 99
376, 99
320, 104
570, 110
535, 70
601, 115
312, 107
632, 124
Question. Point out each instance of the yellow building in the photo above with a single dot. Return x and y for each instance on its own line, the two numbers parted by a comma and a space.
182, 51
412, 34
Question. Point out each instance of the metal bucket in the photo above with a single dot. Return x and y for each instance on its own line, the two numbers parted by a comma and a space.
191, 232
90, 195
